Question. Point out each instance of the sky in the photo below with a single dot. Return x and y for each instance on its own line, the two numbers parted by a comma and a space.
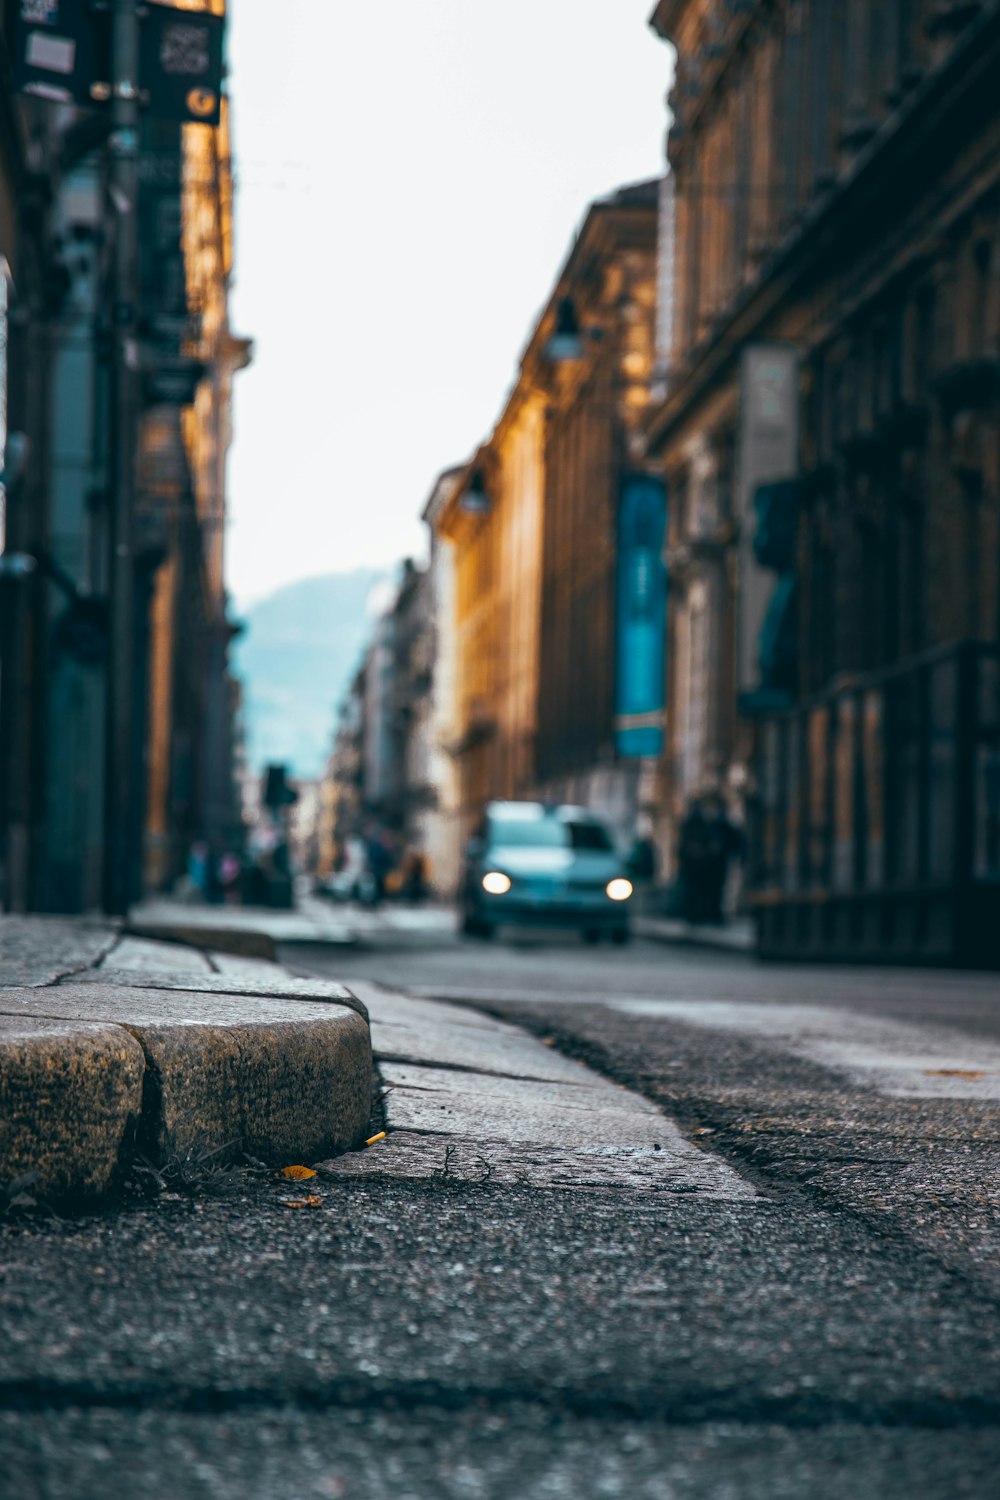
410, 174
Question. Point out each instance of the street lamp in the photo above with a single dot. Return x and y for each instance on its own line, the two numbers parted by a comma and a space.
475, 501
565, 344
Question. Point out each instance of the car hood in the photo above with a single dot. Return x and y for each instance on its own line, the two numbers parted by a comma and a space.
584, 864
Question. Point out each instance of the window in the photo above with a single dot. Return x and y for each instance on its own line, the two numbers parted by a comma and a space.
534, 833
588, 836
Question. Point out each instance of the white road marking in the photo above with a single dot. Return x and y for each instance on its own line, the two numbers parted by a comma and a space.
898, 1059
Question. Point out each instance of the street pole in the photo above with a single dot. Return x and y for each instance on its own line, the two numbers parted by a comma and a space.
120, 788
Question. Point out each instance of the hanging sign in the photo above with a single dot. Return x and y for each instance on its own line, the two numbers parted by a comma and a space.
62, 52
641, 618
180, 64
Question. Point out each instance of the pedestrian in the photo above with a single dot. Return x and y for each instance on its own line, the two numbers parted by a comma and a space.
229, 875
197, 870
642, 863
709, 840
214, 888
380, 862
414, 882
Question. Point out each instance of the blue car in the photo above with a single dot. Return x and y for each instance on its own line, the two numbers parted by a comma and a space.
533, 864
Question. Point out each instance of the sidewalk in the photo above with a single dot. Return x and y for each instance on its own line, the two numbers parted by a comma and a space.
736, 935
260, 931
254, 931
116, 1050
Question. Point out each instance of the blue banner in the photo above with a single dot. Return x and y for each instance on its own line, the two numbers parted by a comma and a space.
641, 618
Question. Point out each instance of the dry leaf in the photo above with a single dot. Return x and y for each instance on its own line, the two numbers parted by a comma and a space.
969, 1073
298, 1174
311, 1200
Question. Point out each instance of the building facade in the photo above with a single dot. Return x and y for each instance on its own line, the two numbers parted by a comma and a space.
492, 525
61, 846
829, 437
532, 529
191, 785
440, 821
341, 793
597, 399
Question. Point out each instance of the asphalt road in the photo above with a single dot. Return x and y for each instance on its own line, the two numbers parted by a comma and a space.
647, 1223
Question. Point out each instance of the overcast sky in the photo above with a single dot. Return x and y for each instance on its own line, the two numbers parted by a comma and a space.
410, 174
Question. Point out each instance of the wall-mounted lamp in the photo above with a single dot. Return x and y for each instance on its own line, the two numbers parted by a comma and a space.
566, 341
475, 501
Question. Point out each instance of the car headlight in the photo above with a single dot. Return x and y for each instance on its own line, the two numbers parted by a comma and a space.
495, 883
619, 890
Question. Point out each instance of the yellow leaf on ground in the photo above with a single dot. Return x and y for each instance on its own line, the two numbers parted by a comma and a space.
298, 1174
968, 1073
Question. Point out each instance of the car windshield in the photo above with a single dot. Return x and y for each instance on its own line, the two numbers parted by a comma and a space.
547, 833
589, 836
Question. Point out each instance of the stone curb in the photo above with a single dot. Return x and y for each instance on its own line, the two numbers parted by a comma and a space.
241, 942
250, 987
94, 1080
283, 1092
70, 1101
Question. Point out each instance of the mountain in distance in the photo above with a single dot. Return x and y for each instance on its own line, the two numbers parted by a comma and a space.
298, 651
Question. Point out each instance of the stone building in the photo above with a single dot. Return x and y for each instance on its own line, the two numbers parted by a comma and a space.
61, 847
491, 521
596, 402
341, 795
383, 772
532, 526
407, 794
829, 437
191, 782
439, 821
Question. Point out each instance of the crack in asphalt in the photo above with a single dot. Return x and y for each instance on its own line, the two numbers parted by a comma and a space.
452, 1067
692, 1406
767, 1172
